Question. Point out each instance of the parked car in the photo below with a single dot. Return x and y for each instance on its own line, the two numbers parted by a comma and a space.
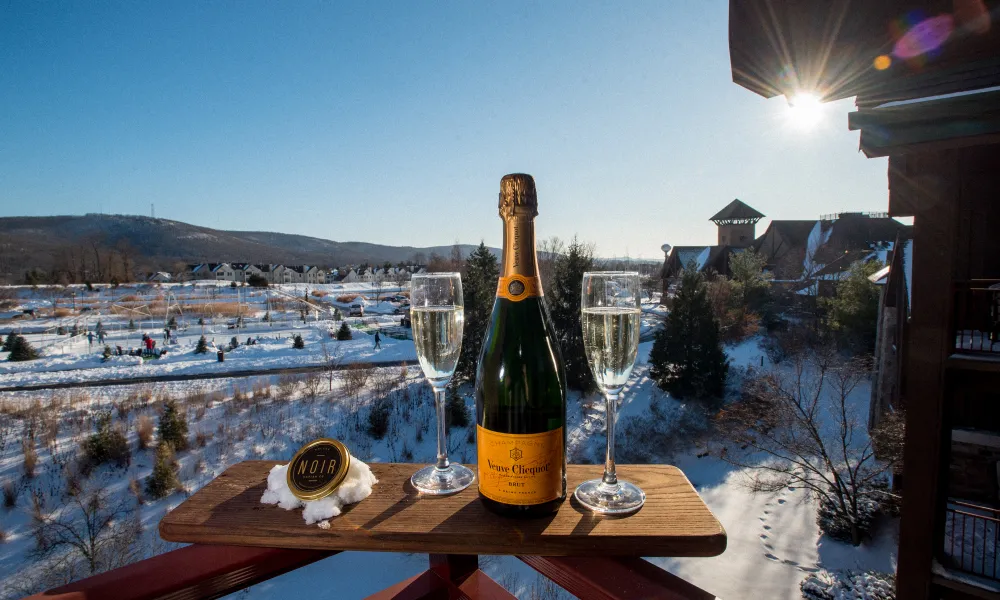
356, 311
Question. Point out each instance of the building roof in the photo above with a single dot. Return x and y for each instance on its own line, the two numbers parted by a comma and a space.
737, 210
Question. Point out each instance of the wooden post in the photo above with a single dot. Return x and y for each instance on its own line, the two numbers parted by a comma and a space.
931, 183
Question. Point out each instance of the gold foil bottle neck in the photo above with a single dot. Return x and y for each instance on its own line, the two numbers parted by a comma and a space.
517, 196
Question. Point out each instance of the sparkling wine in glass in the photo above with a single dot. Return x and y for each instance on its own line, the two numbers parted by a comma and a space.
437, 316
610, 315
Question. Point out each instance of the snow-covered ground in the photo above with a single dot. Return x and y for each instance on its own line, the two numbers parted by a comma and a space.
69, 358
774, 542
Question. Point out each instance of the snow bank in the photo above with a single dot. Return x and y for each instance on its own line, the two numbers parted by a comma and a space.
356, 487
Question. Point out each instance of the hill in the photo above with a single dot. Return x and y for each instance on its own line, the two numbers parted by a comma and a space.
98, 247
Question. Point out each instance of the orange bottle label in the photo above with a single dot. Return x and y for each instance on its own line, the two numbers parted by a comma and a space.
521, 469
518, 287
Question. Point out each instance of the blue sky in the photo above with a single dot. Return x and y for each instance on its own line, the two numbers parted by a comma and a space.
392, 122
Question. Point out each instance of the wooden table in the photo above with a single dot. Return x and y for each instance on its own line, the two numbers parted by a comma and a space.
395, 518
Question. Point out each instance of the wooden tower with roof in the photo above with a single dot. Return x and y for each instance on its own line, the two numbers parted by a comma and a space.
737, 224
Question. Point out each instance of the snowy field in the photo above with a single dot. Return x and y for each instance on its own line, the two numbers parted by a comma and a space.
270, 317
774, 542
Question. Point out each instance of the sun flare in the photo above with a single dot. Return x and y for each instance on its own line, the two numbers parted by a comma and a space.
805, 111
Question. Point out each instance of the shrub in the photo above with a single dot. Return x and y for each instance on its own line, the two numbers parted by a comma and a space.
30, 457
257, 281
346, 298
108, 445
202, 347
106, 354
234, 343
869, 585
172, 323
319, 293
378, 418
163, 481
833, 522
131, 325
173, 428
344, 333
298, 343
144, 431
9, 494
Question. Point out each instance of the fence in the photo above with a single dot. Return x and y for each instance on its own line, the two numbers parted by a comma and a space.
970, 538
977, 315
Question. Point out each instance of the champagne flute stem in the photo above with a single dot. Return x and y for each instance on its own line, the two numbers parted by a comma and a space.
610, 478
442, 456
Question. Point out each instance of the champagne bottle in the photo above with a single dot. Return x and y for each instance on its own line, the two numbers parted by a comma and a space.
520, 384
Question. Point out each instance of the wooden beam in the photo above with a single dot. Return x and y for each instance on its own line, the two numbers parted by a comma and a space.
614, 578
191, 572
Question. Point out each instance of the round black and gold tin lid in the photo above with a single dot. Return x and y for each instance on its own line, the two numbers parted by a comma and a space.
318, 468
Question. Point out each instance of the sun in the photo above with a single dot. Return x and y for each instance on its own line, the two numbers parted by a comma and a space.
805, 111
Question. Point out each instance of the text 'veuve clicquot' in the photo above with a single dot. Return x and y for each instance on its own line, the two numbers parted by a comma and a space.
520, 386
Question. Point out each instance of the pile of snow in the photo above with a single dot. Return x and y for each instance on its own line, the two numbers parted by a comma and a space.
849, 585
356, 487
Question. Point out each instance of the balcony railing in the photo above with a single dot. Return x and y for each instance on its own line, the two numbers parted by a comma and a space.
970, 538
200, 572
977, 316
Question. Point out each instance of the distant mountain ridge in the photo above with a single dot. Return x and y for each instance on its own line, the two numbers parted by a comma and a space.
43, 243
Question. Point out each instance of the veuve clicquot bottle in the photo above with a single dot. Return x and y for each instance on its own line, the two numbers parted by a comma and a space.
520, 385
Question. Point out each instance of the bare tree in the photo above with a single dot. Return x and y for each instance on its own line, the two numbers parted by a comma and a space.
548, 251
400, 277
331, 358
799, 427
378, 284
93, 527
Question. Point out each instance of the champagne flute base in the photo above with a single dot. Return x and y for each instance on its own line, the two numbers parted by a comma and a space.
436, 482
608, 499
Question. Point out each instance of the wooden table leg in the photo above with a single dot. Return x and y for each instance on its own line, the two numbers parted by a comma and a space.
454, 567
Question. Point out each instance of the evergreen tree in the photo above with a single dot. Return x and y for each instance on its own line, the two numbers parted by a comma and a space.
172, 323
201, 321
344, 333
163, 481
852, 315
298, 343
455, 411
21, 349
202, 347
173, 427
564, 307
687, 358
747, 270
9, 342
479, 285
131, 325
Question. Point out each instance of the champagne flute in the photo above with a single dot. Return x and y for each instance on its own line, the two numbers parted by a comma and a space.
610, 316
437, 316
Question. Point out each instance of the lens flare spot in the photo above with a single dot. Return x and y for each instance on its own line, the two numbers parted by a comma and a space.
882, 62
924, 37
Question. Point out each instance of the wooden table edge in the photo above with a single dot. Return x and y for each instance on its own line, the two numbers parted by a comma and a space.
705, 545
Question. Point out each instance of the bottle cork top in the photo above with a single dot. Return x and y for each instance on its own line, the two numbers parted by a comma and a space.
517, 195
